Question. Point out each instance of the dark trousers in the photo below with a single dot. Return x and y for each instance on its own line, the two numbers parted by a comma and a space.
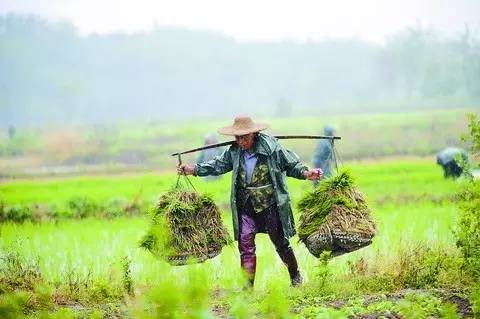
268, 221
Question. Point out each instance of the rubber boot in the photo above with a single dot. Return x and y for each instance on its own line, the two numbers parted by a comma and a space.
288, 258
249, 265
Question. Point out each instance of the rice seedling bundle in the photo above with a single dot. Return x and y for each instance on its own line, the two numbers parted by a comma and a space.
335, 217
185, 226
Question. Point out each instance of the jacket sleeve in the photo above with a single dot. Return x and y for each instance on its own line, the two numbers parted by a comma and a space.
217, 166
290, 163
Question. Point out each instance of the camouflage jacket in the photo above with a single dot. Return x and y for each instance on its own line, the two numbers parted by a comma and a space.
281, 163
259, 191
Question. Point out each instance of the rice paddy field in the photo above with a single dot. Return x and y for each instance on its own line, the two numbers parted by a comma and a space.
69, 239
120, 147
92, 267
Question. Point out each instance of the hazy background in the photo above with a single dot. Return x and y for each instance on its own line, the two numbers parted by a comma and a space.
80, 62
107, 84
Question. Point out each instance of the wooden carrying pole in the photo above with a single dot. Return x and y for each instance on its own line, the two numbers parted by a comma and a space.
280, 137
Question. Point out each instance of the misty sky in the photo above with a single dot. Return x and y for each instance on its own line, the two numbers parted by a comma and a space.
265, 20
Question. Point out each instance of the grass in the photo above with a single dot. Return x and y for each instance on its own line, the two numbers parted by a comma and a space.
410, 202
34, 151
419, 178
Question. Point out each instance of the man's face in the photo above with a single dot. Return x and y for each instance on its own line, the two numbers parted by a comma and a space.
245, 141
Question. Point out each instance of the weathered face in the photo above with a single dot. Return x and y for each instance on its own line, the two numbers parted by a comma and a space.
246, 141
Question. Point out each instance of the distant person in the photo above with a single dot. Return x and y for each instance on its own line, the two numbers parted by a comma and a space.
11, 132
209, 153
450, 159
323, 156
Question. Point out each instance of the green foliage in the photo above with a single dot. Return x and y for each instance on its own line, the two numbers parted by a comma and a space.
82, 207
178, 298
77, 208
468, 228
127, 279
17, 272
474, 135
413, 266
185, 223
316, 205
241, 307
84, 274
322, 273
61, 313
14, 305
419, 306
16, 214
275, 305
424, 267
475, 300
44, 297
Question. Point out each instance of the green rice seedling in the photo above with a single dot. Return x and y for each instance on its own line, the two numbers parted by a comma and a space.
275, 304
178, 297
185, 225
44, 297
61, 313
14, 305
240, 306
335, 217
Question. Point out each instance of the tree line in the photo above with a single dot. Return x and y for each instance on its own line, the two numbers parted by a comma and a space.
50, 73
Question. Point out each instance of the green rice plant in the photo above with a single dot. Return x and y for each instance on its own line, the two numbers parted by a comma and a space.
240, 306
335, 217
16, 213
275, 305
172, 297
62, 247
61, 313
43, 295
322, 273
14, 305
184, 225
82, 207
316, 205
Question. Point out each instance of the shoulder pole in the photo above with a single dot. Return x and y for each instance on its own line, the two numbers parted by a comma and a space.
280, 137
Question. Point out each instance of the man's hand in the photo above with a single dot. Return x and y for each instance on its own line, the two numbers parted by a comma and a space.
313, 174
185, 169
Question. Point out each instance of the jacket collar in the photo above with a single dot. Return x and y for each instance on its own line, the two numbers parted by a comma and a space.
265, 144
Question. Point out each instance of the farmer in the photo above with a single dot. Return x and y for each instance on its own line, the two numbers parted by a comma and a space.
451, 160
259, 197
209, 153
323, 155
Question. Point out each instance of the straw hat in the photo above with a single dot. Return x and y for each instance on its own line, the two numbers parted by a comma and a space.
242, 125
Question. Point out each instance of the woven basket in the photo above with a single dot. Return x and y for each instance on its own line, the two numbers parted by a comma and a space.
342, 235
189, 258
